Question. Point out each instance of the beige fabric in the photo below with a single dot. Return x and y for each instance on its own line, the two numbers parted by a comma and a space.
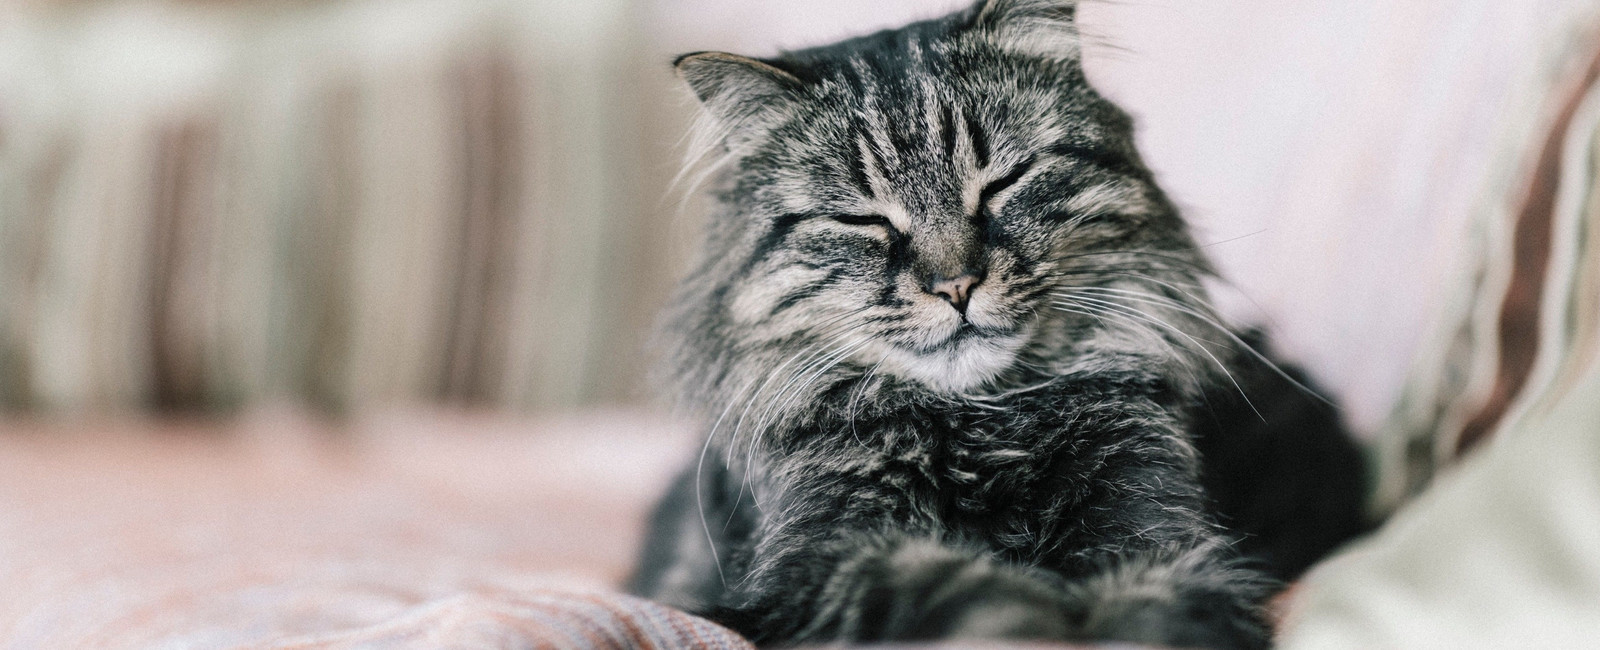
1502, 553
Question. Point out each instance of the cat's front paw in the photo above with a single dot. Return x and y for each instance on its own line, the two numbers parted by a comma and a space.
979, 600
1185, 605
1209, 621
924, 590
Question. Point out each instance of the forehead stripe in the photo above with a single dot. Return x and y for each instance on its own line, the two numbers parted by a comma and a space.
980, 142
878, 185
858, 169
947, 131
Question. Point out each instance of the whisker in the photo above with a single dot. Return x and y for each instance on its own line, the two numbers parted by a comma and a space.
1234, 239
798, 387
699, 481
733, 442
739, 396
1220, 327
1143, 328
855, 394
1136, 313
837, 358
815, 350
792, 391
1175, 306
1259, 309
1180, 262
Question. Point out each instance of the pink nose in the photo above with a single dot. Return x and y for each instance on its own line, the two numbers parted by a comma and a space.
956, 290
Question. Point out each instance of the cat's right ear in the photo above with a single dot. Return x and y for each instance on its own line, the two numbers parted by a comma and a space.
741, 93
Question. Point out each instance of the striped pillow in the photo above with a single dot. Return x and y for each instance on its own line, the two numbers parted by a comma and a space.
1524, 320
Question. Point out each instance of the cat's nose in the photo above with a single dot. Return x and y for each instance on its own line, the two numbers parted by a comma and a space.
956, 290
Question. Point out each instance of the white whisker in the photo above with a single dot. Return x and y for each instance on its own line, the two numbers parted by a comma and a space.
789, 393
738, 425
1215, 324
1142, 315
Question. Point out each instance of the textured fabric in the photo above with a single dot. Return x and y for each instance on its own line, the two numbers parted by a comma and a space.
551, 619
410, 530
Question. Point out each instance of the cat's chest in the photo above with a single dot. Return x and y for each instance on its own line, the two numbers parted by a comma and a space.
954, 466
976, 463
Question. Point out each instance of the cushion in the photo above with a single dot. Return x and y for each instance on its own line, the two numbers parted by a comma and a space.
406, 529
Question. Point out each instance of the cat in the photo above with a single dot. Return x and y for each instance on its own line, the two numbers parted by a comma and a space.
957, 369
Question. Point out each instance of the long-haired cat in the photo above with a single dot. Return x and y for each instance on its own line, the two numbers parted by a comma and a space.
957, 370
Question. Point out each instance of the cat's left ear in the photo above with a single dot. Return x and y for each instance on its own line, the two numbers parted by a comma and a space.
1039, 28
742, 93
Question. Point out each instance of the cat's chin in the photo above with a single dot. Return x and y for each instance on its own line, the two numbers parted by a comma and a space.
963, 366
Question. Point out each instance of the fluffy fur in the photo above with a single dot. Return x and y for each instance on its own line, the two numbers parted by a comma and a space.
954, 360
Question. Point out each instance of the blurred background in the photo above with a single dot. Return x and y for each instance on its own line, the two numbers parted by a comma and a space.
211, 204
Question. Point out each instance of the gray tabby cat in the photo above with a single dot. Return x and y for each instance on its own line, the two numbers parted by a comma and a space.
957, 369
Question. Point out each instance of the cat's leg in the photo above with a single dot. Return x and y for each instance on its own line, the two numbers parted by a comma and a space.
678, 564
1145, 561
865, 587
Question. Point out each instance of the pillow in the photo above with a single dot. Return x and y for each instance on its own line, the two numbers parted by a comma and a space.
1523, 315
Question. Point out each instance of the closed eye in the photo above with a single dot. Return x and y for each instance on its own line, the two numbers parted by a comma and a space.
1001, 184
862, 220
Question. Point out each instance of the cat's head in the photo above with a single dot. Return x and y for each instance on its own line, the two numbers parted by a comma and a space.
914, 200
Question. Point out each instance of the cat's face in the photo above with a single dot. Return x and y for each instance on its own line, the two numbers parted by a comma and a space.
913, 200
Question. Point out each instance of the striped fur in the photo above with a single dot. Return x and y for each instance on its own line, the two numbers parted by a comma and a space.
887, 462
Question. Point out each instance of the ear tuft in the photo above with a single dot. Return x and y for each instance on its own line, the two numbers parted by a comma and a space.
1041, 28
737, 90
